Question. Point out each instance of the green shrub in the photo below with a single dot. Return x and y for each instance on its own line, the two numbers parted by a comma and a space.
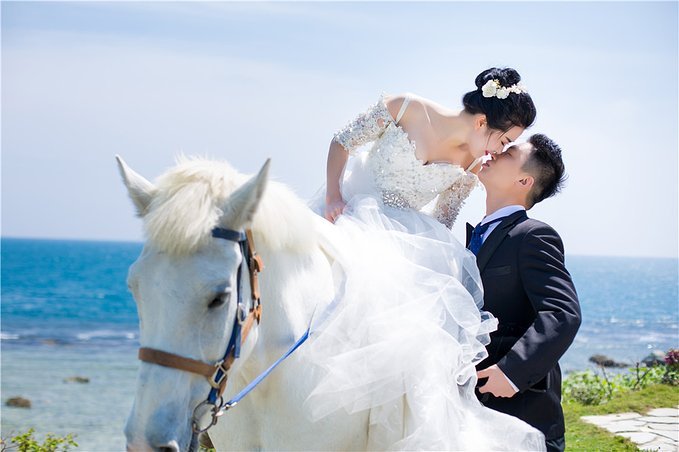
586, 387
26, 443
590, 388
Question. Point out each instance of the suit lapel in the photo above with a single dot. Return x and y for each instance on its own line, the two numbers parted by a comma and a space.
470, 229
495, 238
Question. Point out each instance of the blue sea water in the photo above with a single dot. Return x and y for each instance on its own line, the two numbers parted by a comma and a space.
66, 312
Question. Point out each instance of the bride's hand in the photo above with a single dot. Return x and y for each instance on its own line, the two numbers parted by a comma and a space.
334, 209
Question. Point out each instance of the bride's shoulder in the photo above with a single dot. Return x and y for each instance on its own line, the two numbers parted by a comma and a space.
394, 102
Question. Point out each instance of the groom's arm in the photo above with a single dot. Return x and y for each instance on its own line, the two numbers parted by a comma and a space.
551, 292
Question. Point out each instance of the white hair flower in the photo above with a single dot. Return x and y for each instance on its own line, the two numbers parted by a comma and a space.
518, 88
502, 93
492, 88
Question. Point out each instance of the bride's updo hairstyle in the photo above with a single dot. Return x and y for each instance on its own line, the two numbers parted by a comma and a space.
516, 109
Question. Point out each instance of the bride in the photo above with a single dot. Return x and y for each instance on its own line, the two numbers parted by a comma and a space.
406, 330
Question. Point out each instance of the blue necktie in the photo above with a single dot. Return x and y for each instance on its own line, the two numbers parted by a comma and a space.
477, 235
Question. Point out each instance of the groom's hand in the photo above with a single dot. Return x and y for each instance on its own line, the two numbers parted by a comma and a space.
497, 383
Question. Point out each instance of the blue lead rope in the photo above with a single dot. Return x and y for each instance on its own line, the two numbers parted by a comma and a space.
238, 397
234, 341
253, 384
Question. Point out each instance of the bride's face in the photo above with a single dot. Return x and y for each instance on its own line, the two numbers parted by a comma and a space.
485, 140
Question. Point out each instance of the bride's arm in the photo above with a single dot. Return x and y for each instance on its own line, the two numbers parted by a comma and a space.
365, 128
450, 202
337, 159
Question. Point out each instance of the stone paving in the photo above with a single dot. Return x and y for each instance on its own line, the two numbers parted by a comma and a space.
658, 430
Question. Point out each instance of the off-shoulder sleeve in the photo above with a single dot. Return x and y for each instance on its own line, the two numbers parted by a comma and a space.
450, 202
367, 127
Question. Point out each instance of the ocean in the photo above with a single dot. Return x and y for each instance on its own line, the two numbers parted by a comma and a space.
66, 312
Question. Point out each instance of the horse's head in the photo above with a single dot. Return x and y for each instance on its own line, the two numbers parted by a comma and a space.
185, 287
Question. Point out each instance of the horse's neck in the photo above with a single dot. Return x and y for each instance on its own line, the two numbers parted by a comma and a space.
273, 416
292, 286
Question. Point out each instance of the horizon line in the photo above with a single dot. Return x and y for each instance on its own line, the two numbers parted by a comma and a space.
139, 242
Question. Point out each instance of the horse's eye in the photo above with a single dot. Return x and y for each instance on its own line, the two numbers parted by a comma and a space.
219, 300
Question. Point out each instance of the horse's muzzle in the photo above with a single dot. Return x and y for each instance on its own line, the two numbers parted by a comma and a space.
171, 446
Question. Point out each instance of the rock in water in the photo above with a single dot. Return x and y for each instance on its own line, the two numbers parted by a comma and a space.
76, 380
605, 361
18, 402
657, 357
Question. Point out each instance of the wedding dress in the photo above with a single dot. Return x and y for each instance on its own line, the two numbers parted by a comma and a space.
406, 328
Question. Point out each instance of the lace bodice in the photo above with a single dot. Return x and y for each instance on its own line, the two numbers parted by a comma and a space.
403, 180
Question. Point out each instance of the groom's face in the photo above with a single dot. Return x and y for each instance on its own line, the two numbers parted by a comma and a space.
505, 171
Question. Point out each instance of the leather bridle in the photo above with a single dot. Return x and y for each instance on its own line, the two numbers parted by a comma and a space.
217, 373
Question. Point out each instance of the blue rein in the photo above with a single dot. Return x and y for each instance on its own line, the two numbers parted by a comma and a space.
235, 340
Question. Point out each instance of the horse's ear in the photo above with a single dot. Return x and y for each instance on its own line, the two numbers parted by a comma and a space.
241, 206
139, 189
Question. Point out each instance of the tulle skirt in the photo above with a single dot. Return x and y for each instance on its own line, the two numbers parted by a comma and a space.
405, 331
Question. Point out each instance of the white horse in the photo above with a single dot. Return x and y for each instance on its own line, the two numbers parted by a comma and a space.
184, 284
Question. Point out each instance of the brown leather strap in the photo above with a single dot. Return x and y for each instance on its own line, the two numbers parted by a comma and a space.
256, 265
255, 314
155, 356
152, 355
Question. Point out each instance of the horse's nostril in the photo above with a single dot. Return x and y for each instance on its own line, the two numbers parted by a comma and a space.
172, 446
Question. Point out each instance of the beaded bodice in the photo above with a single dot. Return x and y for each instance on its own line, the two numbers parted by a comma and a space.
403, 180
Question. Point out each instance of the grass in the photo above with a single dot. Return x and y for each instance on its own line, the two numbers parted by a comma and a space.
587, 437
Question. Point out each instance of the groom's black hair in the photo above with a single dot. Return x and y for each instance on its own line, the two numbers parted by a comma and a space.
501, 114
546, 166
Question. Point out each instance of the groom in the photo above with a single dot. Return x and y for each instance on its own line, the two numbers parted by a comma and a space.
527, 287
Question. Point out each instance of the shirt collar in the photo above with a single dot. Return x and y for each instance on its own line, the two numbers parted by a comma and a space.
502, 212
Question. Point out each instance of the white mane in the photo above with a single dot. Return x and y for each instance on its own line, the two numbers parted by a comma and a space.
188, 201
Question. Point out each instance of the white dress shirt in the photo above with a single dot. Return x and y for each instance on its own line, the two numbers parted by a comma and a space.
499, 213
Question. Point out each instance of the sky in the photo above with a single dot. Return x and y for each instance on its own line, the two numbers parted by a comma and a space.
83, 81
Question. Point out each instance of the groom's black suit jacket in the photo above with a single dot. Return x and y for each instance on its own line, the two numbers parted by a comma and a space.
529, 290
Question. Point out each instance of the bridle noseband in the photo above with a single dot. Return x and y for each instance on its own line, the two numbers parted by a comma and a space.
217, 373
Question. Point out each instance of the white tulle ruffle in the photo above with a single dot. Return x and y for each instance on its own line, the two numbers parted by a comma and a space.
405, 332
